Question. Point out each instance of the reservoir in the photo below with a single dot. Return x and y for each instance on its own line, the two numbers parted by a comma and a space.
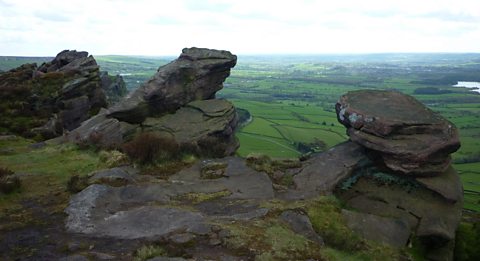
475, 86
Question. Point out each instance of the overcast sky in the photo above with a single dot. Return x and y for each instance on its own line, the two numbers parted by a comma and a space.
148, 27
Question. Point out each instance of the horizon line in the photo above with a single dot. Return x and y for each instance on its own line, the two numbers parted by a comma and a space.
265, 54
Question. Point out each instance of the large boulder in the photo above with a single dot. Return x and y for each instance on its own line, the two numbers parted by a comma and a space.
409, 137
196, 75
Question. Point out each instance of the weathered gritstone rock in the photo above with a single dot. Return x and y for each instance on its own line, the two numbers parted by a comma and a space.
196, 75
198, 122
146, 211
408, 136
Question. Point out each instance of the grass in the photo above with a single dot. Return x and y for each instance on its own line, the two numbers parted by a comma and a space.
470, 176
149, 251
196, 198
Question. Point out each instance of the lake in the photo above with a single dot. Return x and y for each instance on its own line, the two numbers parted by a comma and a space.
475, 86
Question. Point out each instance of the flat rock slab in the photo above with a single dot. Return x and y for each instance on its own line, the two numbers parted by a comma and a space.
150, 222
133, 211
409, 137
85, 216
394, 232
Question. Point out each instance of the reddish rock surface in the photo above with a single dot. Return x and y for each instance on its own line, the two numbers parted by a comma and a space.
409, 137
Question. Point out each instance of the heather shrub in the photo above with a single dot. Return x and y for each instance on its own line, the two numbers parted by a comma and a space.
148, 148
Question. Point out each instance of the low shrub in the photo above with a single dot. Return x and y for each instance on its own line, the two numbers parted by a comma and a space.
148, 148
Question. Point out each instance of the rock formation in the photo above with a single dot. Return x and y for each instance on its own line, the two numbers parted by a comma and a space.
113, 86
409, 179
56, 96
177, 102
408, 136
395, 172
384, 204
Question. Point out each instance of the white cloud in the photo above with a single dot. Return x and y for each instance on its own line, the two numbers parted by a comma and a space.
151, 27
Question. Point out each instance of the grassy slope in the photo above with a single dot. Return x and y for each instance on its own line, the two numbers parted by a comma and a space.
44, 171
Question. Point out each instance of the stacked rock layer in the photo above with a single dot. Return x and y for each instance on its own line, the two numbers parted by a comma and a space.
405, 180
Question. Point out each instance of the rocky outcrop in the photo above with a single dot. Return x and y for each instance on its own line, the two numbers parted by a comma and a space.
113, 86
408, 136
409, 184
177, 102
51, 98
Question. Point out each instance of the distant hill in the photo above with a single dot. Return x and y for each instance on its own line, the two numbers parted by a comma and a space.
10, 62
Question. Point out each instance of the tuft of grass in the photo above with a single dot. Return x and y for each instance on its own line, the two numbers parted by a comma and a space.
112, 159
149, 251
213, 170
196, 198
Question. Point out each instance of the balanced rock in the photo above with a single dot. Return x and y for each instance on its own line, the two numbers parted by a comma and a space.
196, 75
409, 137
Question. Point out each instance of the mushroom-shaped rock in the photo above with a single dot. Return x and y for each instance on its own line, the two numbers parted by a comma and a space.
409, 137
